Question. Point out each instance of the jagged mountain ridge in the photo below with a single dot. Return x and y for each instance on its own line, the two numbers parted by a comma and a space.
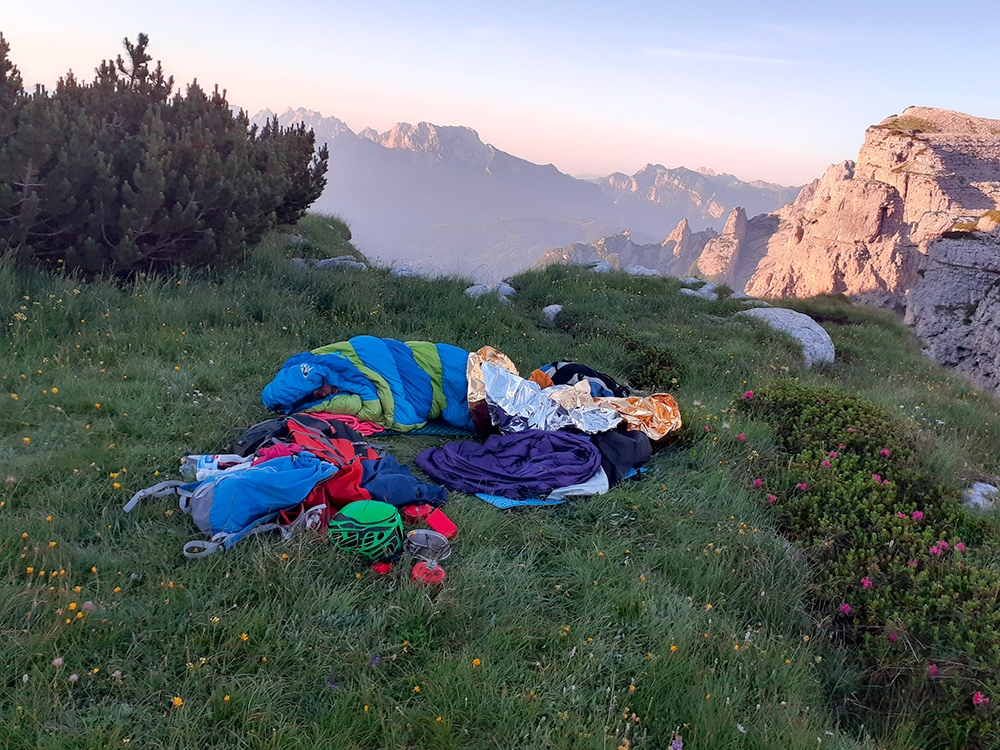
702, 196
439, 197
674, 256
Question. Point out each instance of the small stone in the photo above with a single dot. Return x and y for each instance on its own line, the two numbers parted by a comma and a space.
642, 271
295, 239
600, 266
404, 269
301, 263
740, 295
477, 290
340, 263
549, 313
689, 280
504, 290
980, 496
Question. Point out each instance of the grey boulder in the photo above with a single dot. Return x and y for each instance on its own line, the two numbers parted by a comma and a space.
817, 346
706, 292
980, 496
550, 312
340, 263
642, 271
405, 270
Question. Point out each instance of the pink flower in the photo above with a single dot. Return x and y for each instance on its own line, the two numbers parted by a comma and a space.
741, 437
802, 486
978, 699
833, 454
918, 516
758, 483
885, 452
851, 429
877, 478
748, 394
912, 563
707, 428
771, 499
841, 446
932, 670
845, 608
943, 544
886, 481
901, 514
935, 550
960, 546
825, 464
87, 606
892, 637
866, 582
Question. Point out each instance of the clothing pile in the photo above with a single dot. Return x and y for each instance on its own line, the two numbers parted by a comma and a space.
567, 430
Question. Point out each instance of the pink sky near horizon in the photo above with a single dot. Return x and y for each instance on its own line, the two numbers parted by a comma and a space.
775, 95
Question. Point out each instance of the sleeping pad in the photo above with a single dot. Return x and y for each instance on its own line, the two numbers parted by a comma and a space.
398, 385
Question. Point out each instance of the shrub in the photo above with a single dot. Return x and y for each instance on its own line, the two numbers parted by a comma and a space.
119, 174
895, 559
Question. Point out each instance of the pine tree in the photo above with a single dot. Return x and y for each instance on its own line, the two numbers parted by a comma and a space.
124, 173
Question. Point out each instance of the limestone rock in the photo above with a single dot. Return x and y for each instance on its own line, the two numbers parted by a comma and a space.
717, 259
817, 346
549, 313
340, 263
404, 270
706, 292
980, 496
601, 266
675, 255
988, 222
862, 228
504, 290
954, 306
641, 271
478, 290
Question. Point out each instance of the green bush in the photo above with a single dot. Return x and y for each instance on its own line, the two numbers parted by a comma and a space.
120, 174
896, 559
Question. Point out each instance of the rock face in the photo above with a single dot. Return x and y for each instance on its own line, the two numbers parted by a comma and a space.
862, 228
817, 346
656, 194
954, 306
672, 257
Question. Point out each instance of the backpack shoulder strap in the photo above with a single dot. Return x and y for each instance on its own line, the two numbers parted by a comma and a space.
197, 549
157, 490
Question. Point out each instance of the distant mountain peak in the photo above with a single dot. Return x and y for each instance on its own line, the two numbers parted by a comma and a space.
456, 141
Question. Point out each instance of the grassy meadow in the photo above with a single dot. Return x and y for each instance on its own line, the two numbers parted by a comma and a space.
670, 610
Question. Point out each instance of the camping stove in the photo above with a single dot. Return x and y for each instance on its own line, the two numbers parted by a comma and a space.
431, 547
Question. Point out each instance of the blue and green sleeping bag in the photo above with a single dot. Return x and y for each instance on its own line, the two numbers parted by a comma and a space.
398, 385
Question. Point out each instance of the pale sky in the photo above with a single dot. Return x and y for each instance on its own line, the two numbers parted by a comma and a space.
767, 90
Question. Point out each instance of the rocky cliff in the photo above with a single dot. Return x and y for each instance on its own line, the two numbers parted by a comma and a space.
913, 225
954, 305
675, 256
863, 227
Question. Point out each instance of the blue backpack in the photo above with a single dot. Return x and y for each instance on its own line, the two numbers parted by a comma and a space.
228, 507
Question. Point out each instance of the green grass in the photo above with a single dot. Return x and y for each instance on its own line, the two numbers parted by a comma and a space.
567, 609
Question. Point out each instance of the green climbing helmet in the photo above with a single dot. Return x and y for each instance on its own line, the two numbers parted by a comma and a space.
367, 527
